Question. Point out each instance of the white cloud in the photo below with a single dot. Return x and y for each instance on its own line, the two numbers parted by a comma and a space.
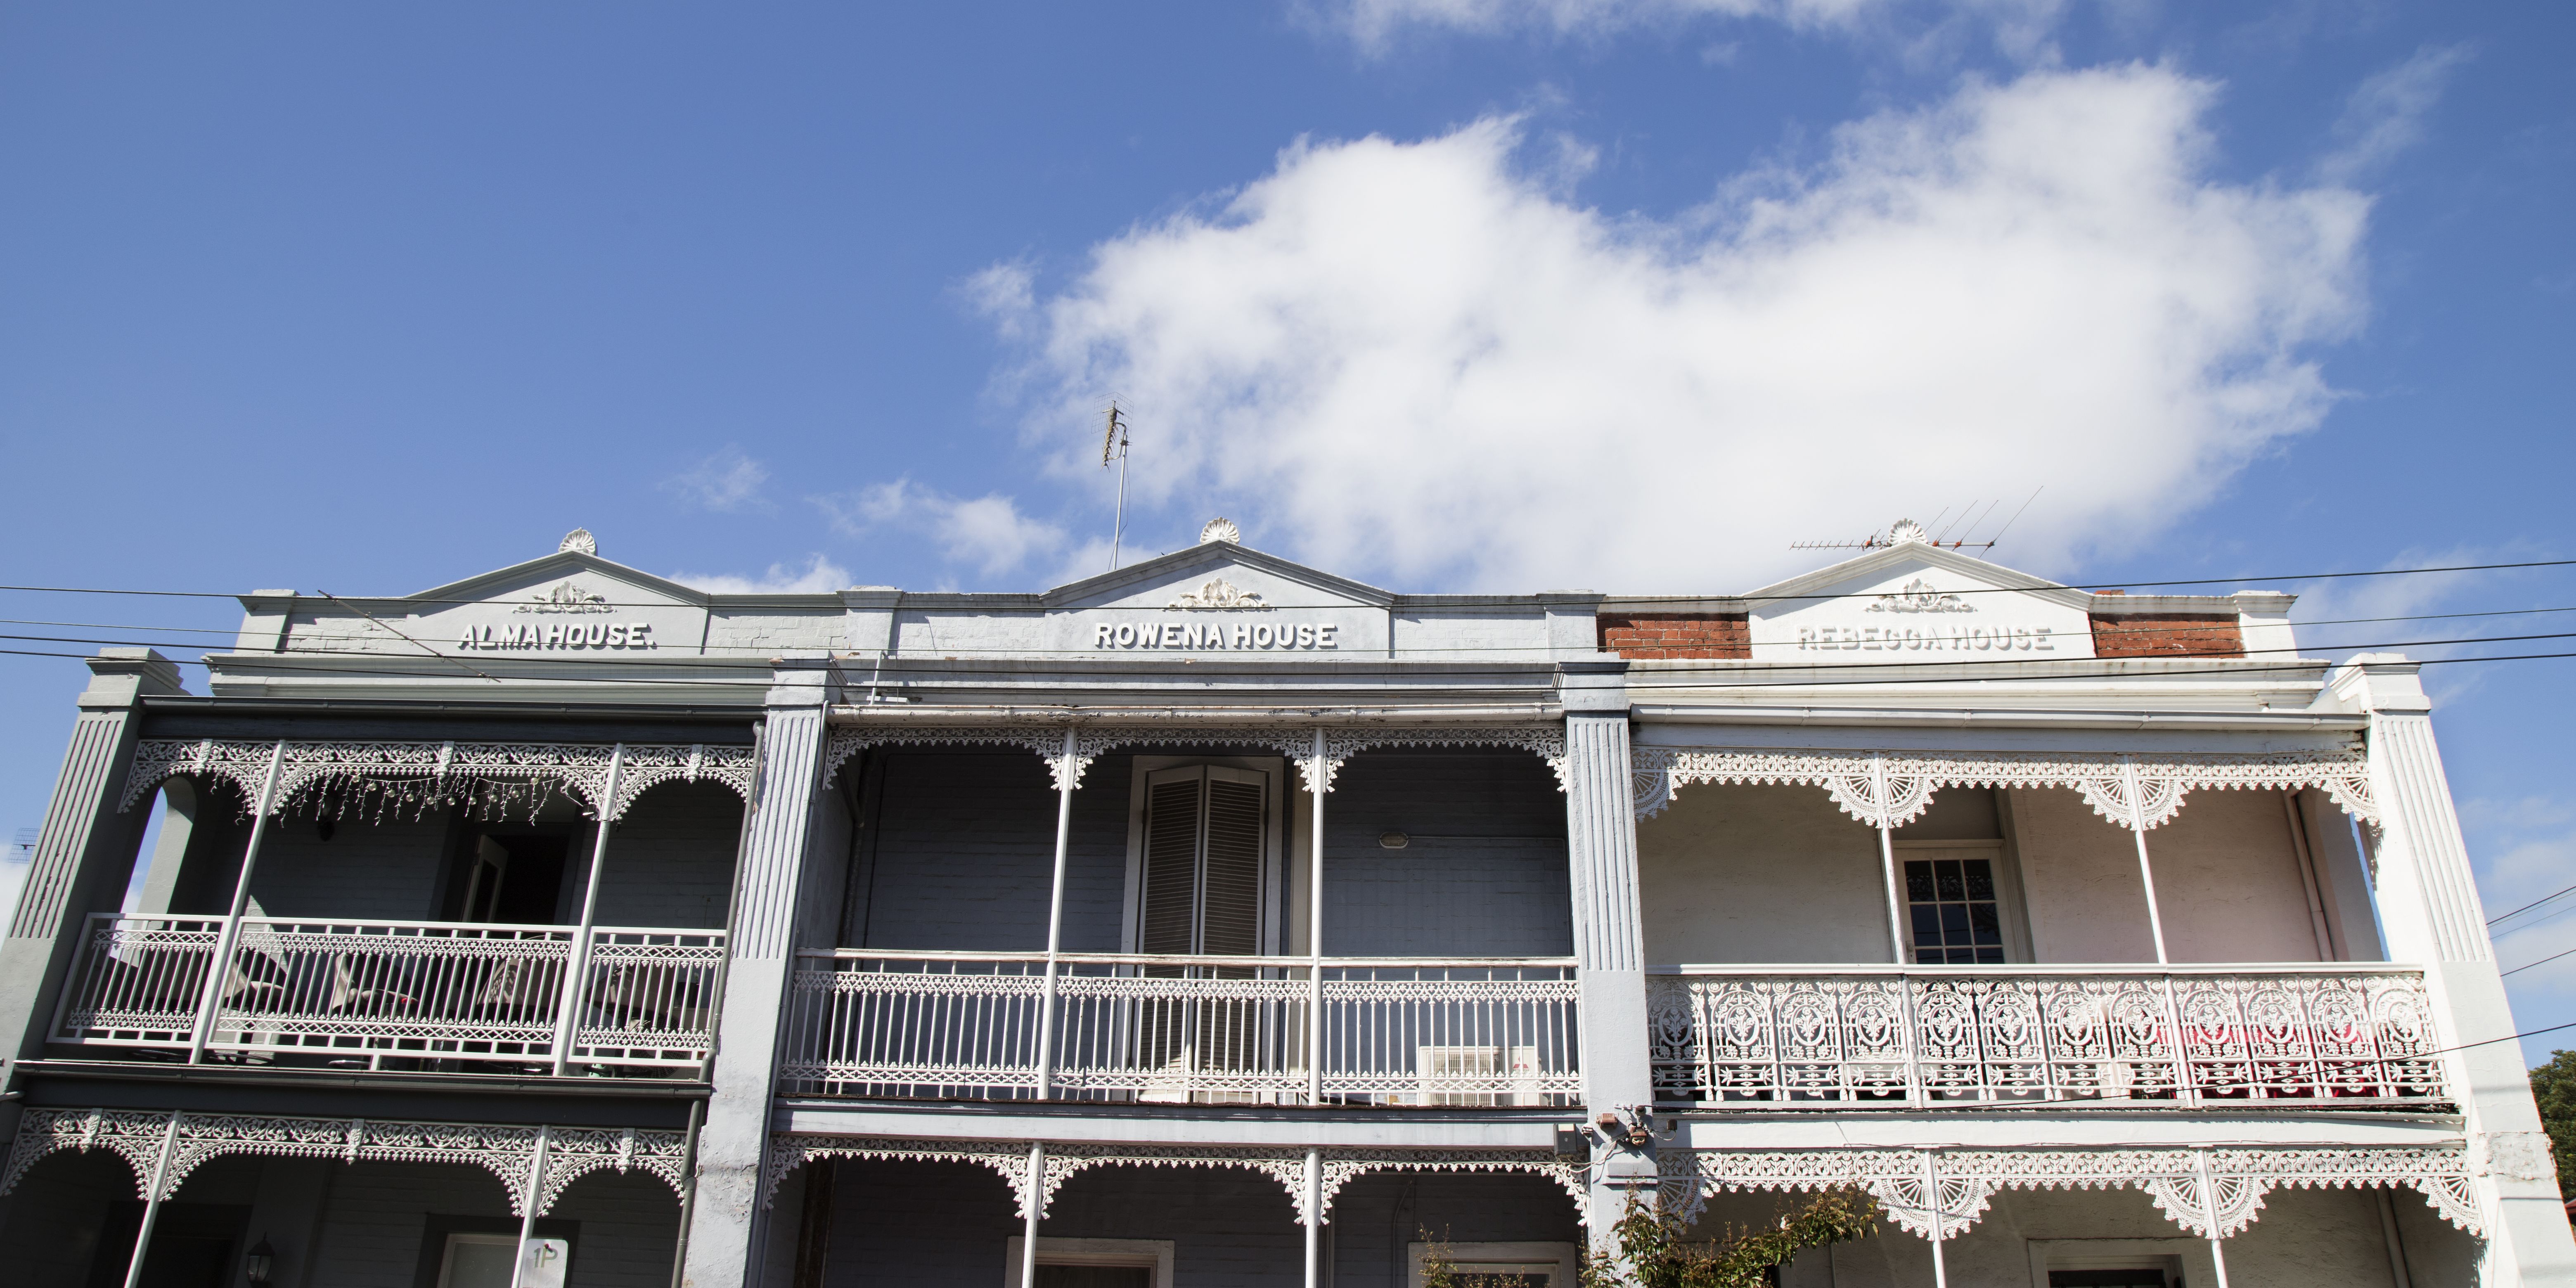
728, 480
1417, 361
817, 576
2525, 850
2020, 26
2385, 116
1002, 292
988, 531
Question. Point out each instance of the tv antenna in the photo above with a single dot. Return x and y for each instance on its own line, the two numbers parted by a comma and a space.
1113, 447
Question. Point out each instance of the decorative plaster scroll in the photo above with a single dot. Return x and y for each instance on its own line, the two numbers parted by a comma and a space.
789, 1151
504, 1151
1297, 744
1218, 593
1884, 788
415, 774
1968, 1179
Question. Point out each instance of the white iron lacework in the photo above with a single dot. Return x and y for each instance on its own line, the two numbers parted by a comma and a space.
789, 1151
1743, 1042
1297, 744
1969, 1178
1287, 1167
1341, 1166
131, 1134
575, 1152
504, 1151
1891, 789
382, 777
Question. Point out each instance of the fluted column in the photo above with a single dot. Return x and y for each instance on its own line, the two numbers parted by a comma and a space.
2428, 903
728, 1231
86, 848
1609, 945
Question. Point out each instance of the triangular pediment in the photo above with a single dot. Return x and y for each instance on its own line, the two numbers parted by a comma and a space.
1915, 556
567, 604
1217, 574
1918, 602
561, 576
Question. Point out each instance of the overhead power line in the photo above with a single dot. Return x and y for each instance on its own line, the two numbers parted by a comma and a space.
1741, 666
2531, 905
1985, 590
233, 631
895, 667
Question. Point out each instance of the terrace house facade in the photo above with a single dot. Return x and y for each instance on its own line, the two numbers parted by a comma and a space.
1222, 921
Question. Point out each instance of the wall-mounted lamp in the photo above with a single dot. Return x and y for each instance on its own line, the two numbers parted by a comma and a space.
258, 1262
1393, 840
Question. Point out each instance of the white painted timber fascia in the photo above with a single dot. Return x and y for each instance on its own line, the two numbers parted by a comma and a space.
2105, 1129
1994, 717
1298, 1129
1322, 714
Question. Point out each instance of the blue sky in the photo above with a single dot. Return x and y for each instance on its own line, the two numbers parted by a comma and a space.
1443, 294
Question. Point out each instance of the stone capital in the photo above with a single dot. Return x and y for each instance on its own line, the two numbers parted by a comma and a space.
120, 678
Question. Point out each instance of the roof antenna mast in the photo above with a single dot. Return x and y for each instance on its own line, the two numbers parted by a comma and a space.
1113, 446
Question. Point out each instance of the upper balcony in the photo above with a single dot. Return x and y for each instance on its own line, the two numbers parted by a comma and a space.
1186, 968
418, 907
2041, 956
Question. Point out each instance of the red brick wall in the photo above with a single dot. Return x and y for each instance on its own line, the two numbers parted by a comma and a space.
2167, 635
1646, 635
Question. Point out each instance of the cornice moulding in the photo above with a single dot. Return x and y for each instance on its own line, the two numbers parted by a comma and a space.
1991, 717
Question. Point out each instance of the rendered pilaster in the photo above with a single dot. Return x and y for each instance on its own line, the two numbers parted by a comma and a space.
728, 1228
2429, 905
85, 849
1609, 944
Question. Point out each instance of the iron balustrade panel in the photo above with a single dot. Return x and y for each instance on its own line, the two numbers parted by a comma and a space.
1170, 1029
649, 997
1451, 1034
404, 988
914, 1026
1767, 1038
1182, 1033
407, 990
138, 981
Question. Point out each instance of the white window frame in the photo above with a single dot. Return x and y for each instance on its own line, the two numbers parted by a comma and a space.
1560, 1262
2188, 1258
2008, 905
1153, 1254
447, 1254
1521, 1062
1273, 844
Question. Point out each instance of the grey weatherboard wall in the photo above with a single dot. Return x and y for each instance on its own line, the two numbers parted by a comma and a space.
957, 851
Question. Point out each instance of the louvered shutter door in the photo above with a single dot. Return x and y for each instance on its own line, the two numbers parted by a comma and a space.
1231, 917
1171, 864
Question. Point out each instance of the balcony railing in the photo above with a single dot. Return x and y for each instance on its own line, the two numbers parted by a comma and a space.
350, 992
1184, 1029
1770, 1038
